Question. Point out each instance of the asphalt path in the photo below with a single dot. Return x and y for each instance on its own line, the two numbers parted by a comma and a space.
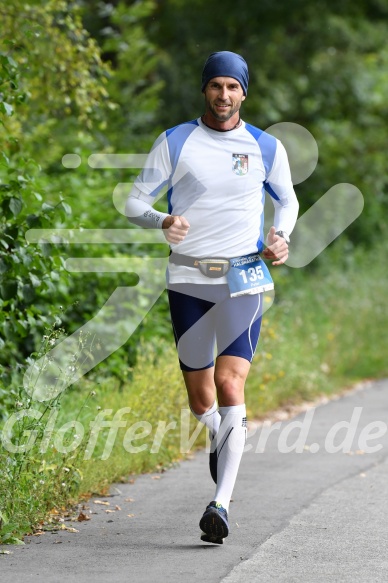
318, 514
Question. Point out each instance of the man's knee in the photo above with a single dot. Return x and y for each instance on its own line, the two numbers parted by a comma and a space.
230, 388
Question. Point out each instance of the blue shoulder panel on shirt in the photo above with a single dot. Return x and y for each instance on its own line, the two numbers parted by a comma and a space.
176, 137
267, 145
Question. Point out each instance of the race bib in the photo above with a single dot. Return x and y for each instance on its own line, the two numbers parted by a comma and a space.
248, 275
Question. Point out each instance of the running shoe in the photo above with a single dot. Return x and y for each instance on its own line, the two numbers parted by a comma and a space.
214, 523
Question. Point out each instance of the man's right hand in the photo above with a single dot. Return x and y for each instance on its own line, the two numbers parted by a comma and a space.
175, 228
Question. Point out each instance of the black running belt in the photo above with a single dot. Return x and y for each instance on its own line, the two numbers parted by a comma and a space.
186, 260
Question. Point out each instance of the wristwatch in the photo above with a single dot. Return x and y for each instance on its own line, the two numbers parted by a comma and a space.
284, 235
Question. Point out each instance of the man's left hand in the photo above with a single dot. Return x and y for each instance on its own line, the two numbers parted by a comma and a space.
277, 248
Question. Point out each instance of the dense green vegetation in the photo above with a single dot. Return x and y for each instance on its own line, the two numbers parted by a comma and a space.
79, 80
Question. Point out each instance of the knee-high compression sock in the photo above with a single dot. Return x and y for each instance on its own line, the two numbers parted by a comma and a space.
211, 418
230, 446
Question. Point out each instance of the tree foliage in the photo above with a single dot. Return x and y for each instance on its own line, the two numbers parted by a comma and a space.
60, 92
50, 70
61, 71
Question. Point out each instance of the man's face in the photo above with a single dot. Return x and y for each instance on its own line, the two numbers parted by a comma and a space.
223, 97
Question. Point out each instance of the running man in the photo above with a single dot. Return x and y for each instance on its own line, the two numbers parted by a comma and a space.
216, 276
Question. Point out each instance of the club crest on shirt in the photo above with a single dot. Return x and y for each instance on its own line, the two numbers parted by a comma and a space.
240, 164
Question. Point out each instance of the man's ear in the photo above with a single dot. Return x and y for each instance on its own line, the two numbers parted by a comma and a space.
243, 98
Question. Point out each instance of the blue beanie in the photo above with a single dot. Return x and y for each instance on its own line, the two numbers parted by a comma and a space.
226, 64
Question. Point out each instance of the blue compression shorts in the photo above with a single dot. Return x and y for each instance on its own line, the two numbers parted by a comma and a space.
204, 314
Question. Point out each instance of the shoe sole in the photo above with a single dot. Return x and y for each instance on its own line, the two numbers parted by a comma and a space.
212, 539
214, 527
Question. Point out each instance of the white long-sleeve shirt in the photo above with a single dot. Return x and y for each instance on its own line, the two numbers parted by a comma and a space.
217, 181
